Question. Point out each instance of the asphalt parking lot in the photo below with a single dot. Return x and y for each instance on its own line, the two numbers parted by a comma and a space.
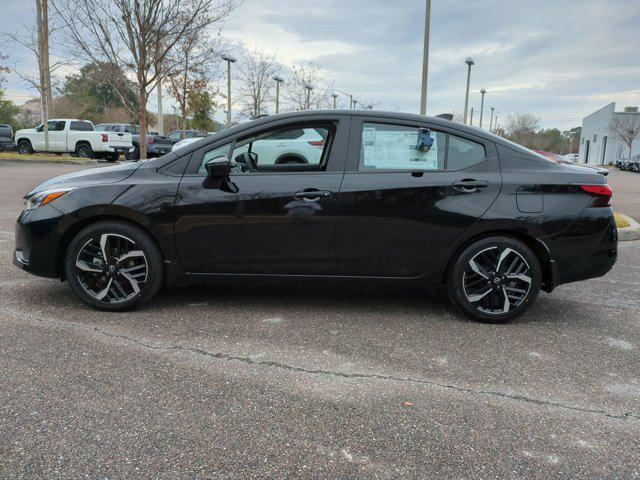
251, 382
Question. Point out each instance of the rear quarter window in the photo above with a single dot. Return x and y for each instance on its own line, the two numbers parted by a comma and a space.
463, 153
81, 126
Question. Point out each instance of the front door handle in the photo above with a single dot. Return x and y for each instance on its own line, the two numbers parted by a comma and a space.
469, 185
311, 195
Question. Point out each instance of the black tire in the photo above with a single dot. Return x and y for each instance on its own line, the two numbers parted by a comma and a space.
111, 157
492, 290
24, 147
96, 275
84, 151
135, 155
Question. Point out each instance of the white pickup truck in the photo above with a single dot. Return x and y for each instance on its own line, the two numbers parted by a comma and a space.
74, 136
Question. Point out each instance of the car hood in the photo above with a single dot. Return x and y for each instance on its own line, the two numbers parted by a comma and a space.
26, 130
92, 176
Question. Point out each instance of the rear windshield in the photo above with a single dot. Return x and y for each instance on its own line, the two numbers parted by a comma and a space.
5, 131
81, 126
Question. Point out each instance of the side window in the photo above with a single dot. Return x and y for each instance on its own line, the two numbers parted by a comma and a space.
174, 136
286, 149
394, 147
81, 126
464, 153
60, 126
222, 151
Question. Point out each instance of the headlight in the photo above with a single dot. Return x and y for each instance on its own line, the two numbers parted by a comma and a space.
42, 198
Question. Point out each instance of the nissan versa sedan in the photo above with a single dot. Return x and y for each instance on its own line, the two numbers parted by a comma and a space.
396, 197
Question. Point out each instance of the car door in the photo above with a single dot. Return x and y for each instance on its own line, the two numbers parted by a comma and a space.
281, 219
57, 136
401, 208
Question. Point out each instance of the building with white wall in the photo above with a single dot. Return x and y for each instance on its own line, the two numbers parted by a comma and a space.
599, 146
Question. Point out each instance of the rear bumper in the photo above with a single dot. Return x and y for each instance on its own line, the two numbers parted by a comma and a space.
587, 249
37, 238
114, 149
159, 149
6, 146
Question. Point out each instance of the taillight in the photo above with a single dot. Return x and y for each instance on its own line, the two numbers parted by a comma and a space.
105, 137
151, 140
317, 143
601, 194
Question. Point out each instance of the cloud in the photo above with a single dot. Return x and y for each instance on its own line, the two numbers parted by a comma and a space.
558, 59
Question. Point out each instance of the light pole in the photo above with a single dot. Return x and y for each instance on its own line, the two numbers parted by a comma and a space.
308, 88
369, 107
491, 120
469, 61
425, 59
335, 96
471, 117
482, 91
355, 102
229, 61
350, 95
278, 80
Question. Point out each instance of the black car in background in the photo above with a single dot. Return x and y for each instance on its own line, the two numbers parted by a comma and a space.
157, 145
6, 138
380, 197
178, 135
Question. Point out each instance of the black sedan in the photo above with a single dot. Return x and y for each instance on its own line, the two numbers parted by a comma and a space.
367, 196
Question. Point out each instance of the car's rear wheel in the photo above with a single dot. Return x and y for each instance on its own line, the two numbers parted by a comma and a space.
111, 157
84, 151
495, 279
114, 266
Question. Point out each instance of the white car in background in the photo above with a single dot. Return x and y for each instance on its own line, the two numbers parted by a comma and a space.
76, 136
184, 143
299, 145
572, 157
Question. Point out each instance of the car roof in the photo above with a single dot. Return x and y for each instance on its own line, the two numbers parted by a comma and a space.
411, 117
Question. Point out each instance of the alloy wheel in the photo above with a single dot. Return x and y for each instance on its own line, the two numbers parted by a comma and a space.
497, 280
111, 268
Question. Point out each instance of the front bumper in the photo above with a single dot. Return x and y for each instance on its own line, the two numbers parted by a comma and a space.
37, 235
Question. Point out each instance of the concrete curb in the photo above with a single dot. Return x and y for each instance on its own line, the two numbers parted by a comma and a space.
632, 232
45, 162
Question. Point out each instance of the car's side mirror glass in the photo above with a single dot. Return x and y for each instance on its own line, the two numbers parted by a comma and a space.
218, 168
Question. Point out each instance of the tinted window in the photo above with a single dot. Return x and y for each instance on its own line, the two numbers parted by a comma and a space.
394, 147
464, 153
5, 131
102, 127
132, 129
269, 150
175, 136
82, 126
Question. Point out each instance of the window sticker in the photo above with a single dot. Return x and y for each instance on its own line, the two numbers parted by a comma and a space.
399, 149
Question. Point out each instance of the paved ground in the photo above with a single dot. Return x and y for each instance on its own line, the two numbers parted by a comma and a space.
626, 192
261, 383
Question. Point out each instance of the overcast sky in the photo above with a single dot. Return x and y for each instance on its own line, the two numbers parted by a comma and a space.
560, 59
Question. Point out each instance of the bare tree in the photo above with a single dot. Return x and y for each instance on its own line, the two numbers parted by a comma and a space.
255, 71
521, 127
626, 126
138, 36
193, 60
297, 91
35, 36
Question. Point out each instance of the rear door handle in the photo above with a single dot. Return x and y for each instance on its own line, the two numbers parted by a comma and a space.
311, 195
469, 185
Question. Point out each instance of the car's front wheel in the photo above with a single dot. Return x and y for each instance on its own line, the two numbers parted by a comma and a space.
495, 279
114, 266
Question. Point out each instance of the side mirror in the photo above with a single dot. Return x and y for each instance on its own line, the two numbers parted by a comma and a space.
218, 168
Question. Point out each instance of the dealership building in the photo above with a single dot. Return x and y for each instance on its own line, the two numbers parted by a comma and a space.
599, 146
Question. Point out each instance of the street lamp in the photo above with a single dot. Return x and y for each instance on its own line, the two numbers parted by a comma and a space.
369, 107
278, 80
229, 61
335, 96
491, 120
482, 91
425, 59
355, 102
350, 95
469, 61
308, 88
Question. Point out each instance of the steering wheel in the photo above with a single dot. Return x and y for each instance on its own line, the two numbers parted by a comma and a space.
249, 160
